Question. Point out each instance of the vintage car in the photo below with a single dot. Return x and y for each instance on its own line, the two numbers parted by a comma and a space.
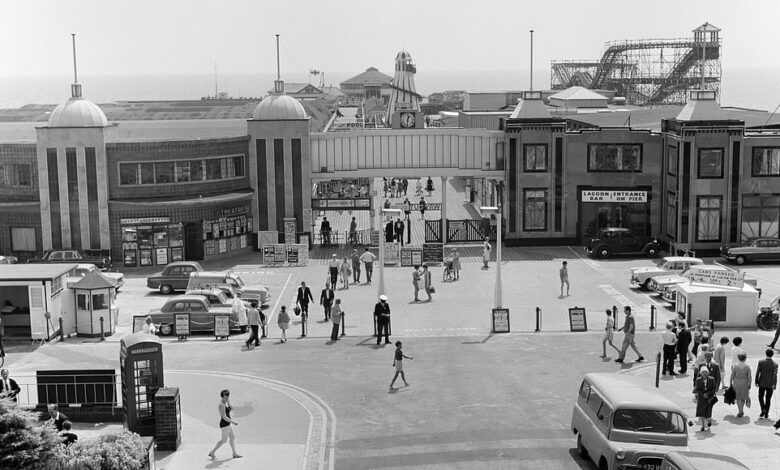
210, 279
84, 269
99, 259
219, 297
666, 266
175, 276
201, 314
757, 249
8, 259
620, 241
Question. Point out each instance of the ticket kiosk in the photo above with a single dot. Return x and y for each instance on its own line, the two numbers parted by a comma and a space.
141, 363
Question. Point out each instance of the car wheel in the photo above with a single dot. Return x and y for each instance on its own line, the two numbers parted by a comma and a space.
603, 465
652, 252
604, 252
166, 330
646, 285
166, 289
580, 448
740, 260
243, 328
765, 322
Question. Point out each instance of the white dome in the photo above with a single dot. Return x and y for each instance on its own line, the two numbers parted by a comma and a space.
78, 112
278, 108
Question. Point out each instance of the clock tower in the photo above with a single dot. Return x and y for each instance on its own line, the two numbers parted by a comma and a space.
404, 106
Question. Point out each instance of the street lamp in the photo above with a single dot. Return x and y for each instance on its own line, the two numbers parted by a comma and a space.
497, 211
381, 282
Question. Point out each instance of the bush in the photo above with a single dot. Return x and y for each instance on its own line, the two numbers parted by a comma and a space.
25, 442
123, 450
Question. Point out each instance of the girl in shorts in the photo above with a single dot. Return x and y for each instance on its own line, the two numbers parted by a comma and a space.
283, 319
609, 333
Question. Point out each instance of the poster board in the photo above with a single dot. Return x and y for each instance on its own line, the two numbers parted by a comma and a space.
392, 253
280, 253
181, 324
577, 319
411, 256
292, 254
221, 326
222, 244
307, 218
433, 252
500, 320
289, 230
268, 254
303, 254
138, 323
375, 237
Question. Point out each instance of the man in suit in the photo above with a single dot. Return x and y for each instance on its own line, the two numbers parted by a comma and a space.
8, 387
326, 300
56, 418
382, 315
399, 231
325, 231
712, 366
766, 381
303, 298
777, 335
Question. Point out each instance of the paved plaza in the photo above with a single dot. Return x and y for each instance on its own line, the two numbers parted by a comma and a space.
476, 400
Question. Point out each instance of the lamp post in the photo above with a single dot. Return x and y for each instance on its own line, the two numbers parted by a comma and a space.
381, 274
497, 211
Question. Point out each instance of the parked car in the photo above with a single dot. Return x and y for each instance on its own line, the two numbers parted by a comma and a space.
210, 279
620, 241
174, 277
102, 261
201, 314
668, 265
218, 297
757, 249
688, 460
84, 269
8, 259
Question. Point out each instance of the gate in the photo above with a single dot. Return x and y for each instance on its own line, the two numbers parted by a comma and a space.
469, 230
433, 231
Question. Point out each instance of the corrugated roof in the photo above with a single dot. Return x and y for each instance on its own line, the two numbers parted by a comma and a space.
371, 75
34, 272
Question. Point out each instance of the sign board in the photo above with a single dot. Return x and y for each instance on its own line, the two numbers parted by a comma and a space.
268, 254
357, 203
280, 253
222, 326
411, 256
303, 254
500, 320
162, 256
720, 277
577, 319
138, 323
181, 324
307, 219
289, 230
145, 220
432, 253
392, 254
292, 254
222, 244
613, 196
375, 237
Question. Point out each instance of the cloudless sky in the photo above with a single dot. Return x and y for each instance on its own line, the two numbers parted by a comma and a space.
188, 36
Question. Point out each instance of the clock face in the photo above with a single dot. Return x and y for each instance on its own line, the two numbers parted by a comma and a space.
407, 120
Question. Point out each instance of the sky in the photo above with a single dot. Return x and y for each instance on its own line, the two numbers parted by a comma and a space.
149, 37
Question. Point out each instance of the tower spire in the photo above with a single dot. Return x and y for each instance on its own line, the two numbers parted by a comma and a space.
75, 88
278, 83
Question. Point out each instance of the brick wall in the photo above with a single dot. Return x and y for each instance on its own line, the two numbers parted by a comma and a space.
20, 153
166, 415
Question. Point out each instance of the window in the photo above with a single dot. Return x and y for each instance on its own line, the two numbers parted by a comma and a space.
671, 155
664, 422
671, 214
213, 169
147, 173
760, 215
23, 239
238, 164
182, 172
708, 218
534, 210
197, 172
615, 157
766, 161
99, 301
585, 389
83, 301
128, 173
168, 172
16, 175
163, 172
534, 158
710, 163
179, 307
56, 285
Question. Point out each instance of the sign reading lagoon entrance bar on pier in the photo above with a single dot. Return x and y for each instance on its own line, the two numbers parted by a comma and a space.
613, 196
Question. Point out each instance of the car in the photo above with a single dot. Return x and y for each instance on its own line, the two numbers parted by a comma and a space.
8, 259
84, 269
756, 249
99, 259
174, 277
668, 265
211, 279
219, 297
689, 460
201, 314
620, 241
657, 284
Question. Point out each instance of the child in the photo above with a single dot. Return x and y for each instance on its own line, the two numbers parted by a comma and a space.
609, 333
283, 320
398, 363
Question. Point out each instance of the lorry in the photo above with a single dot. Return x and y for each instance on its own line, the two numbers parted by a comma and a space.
174, 277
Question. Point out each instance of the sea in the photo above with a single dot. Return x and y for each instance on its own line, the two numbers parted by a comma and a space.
753, 88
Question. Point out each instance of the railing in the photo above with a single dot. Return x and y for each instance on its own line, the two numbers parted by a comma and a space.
433, 231
469, 230
71, 391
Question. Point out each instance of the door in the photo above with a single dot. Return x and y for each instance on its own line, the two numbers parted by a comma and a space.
628, 243
193, 242
718, 308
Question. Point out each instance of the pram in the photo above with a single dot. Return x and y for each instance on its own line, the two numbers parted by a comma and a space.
449, 270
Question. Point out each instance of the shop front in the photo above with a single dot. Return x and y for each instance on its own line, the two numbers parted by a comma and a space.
228, 232
151, 241
613, 207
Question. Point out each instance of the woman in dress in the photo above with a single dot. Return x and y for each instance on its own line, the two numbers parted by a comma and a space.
224, 425
416, 277
705, 389
283, 320
427, 284
609, 334
741, 378
456, 264
345, 272
486, 252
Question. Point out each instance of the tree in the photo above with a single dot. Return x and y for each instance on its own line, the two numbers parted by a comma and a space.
25, 442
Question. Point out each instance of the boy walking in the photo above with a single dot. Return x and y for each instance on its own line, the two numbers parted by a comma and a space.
564, 274
398, 363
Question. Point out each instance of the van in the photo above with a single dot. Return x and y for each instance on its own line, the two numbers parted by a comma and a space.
622, 424
215, 279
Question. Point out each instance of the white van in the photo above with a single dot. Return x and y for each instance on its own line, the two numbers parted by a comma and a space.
621, 423
215, 279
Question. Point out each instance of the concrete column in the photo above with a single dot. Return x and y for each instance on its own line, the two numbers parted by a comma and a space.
444, 209
43, 191
81, 177
62, 168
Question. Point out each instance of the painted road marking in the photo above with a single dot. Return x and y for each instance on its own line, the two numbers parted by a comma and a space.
593, 264
270, 315
617, 296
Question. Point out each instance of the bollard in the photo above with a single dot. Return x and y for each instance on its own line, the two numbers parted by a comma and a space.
376, 328
304, 316
102, 331
652, 318
263, 325
657, 368
342, 325
615, 316
62, 331
538, 320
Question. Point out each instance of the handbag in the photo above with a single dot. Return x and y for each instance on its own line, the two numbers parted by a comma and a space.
729, 396
712, 400
297, 310
432, 290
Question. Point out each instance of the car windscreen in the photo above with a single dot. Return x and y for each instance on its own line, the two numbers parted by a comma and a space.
665, 422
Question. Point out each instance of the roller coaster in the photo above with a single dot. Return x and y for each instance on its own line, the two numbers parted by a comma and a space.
649, 71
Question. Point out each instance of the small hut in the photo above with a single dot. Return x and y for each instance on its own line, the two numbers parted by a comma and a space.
95, 299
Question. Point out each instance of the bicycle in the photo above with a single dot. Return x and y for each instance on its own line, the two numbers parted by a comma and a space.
448, 274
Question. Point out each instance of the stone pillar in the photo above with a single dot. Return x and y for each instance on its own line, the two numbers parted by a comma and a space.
167, 416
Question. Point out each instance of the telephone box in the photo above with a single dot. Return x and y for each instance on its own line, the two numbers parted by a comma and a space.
141, 362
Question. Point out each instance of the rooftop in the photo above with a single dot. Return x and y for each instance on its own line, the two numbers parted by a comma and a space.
371, 75
34, 272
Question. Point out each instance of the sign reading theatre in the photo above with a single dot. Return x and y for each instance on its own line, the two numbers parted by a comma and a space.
614, 196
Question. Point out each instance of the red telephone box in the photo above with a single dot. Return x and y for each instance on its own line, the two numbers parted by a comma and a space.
141, 363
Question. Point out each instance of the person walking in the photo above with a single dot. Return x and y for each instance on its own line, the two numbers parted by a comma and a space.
399, 231
382, 316
225, 422
335, 318
670, 343
333, 270
609, 334
713, 367
283, 320
398, 363
407, 208
719, 356
418, 187
684, 339
353, 232
389, 231
486, 252
345, 273
325, 231
564, 274
405, 185
705, 390
368, 259
8, 387
698, 335
253, 319
629, 331
455, 264
416, 278
303, 298
777, 335
741, 382
426, 277
736, 350
429, 186
326, 300
355, 259
422, 205
766, 381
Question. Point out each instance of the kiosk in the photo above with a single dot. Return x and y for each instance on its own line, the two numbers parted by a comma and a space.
141, 363
95, 300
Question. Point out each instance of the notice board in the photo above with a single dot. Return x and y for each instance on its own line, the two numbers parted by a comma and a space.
222, 325
433, 252
500, 320
268, 254
577, 319
181, 324
138, 323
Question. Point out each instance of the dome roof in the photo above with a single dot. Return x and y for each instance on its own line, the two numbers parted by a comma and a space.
77, 112
279, 107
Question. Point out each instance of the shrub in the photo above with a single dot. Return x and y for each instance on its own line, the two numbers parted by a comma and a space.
123, 450
25, 442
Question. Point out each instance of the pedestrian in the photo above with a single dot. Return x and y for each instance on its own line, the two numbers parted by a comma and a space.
333, 270
149, 327
609, 333
389, 231
429, 186
741, 380
698, 335
355, 259
283, 320
422, 205
564, 274
224, 425
368, 260
303, 298
399, 231
683, 341
386, 205
325, 231
326, 300
766, 381
398, 363
629, 331
427, 284
736, 350
669, 348
456, 264
353, 232
68, 437
2, 334
253, 319
407, 208
416, 278
418, 187
385, 184
705, 392
346, 271
8, 387
719, 356
713, 367
393, 187
486, 252
770, 345
55, 417
382, 316
335, 318
405, 182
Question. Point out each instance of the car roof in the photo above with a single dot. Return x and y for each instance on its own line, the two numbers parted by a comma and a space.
188, 297
683, 258
705, 460
628, 392
214, 291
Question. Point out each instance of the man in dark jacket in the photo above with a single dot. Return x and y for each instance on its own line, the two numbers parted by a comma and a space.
382, 315
399, 231
766, 381
8, 387
303, 298
684, 339
326, 300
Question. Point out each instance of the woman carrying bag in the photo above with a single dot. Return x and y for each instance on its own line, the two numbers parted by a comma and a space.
705, 397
